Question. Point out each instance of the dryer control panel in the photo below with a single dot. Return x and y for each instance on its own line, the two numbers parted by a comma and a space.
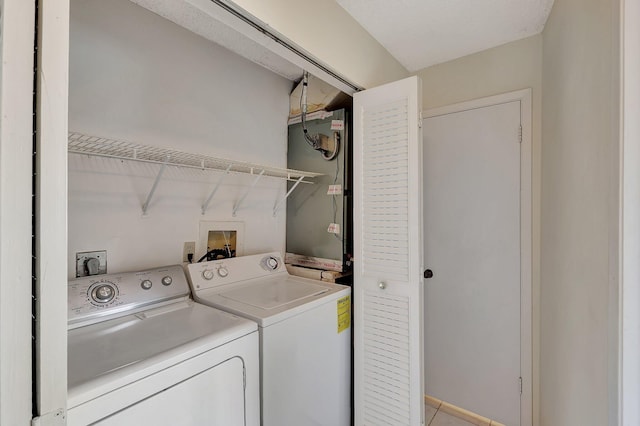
217, 273
94, 297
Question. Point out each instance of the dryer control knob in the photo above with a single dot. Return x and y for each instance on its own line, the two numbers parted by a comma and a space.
167, 280
103, 292
207, 274
146, 284
223, 272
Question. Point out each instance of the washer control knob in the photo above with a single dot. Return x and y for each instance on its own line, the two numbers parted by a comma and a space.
223, 271
270, 263
207, 274
103, 293
167, 280
146, 284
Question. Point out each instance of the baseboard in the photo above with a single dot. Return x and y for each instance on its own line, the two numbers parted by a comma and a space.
460, 413
433, 402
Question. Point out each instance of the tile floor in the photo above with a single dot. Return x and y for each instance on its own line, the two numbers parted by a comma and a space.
435, 417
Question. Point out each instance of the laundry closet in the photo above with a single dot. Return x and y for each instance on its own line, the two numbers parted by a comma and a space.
178, 154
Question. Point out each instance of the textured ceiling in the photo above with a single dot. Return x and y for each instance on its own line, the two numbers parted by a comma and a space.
421, 33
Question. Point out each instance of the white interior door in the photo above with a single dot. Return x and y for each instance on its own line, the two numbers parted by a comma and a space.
388, 262
472, 190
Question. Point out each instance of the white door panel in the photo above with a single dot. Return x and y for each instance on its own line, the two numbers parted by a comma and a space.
388, 262
472, 243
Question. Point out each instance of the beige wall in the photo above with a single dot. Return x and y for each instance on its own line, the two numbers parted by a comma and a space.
505, 68
579, 169
330, 34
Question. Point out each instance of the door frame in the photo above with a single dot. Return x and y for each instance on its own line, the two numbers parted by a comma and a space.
526, 248
51, 211
625, 314
16, 157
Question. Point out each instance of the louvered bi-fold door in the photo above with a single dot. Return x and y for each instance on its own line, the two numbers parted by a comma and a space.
388, 255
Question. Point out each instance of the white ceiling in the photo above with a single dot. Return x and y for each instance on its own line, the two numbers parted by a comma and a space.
421, 33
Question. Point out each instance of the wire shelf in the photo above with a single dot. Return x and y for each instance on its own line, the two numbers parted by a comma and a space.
103, 147
110, 148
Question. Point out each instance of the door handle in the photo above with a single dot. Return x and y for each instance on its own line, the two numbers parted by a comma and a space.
382, 285
428, 273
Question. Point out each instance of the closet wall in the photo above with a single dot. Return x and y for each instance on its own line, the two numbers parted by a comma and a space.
137, 77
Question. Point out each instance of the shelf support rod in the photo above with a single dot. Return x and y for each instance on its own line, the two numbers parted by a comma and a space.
235, 208
145, 206
279, 203
205, 205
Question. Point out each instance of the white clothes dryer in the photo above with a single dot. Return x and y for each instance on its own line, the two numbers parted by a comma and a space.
141, 352
305, 335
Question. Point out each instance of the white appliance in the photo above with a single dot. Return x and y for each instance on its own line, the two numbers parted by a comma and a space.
305, 335
141, 352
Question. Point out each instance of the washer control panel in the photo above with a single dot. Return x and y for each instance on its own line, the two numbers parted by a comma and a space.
103, 295
216, 273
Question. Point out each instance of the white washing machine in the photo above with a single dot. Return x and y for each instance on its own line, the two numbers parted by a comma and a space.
305, 335
141, 352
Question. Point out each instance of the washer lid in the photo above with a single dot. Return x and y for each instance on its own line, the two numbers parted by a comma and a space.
274, 294
269, 300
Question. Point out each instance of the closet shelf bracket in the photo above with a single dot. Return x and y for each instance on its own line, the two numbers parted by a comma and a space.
145, 206
282, 200
253, 184
205, 205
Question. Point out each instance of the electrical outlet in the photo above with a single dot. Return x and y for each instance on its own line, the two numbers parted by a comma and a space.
91, 263
189, 248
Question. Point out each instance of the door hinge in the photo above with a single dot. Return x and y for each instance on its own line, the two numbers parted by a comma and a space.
420, 120
520, 133
520, 380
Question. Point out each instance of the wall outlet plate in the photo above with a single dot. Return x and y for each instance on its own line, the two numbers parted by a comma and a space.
83, 257
189, 248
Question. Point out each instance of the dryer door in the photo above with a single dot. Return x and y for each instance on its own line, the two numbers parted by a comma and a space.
214, 397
